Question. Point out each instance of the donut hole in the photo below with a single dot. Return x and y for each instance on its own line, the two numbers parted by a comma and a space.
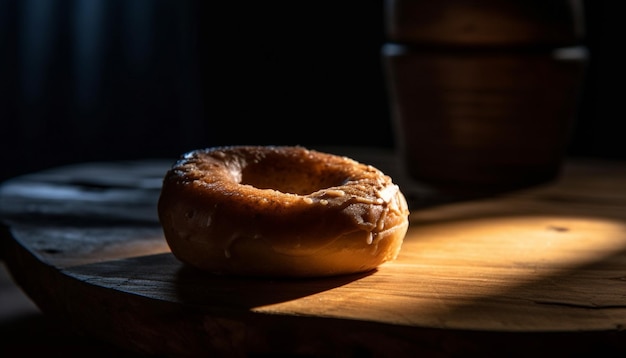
294, 178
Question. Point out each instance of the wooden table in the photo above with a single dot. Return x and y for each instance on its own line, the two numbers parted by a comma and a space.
523, 273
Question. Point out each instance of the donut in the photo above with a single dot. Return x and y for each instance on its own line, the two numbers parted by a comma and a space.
280, 211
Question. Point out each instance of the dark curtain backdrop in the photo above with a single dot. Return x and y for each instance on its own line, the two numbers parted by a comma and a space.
97, 79
124, 79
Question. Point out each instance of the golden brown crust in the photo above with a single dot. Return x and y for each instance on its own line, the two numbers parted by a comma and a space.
280, 211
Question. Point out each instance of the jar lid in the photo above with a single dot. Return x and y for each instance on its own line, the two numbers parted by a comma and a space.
484, 22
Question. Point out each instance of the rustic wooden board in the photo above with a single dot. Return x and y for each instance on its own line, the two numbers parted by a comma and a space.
545, 265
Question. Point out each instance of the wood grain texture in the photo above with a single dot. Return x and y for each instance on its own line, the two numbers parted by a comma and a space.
507, 274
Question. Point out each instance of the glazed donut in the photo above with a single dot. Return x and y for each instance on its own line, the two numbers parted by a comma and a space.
280, 211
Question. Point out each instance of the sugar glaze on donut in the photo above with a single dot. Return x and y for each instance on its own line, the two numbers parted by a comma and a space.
280, 211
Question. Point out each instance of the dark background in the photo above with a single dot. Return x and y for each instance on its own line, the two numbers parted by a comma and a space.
125, 79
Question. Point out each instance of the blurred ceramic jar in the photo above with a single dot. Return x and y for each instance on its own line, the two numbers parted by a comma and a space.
483, 94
